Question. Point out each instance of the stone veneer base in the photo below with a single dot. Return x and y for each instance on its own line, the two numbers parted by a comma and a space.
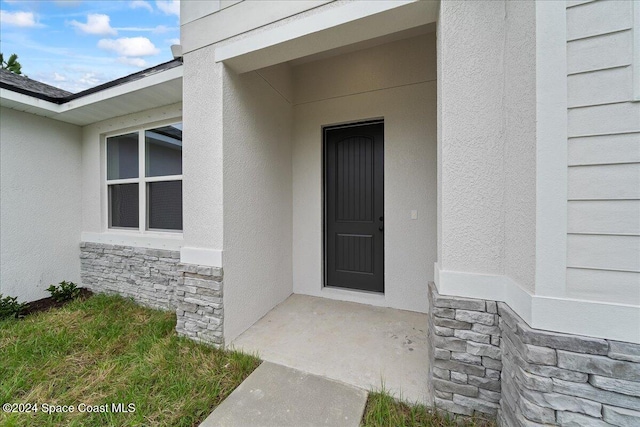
486, 360
199, 304
156, 278
465, 354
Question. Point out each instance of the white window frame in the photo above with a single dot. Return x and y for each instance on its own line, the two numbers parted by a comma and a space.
142, 180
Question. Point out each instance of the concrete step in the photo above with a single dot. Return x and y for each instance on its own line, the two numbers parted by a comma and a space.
274, 395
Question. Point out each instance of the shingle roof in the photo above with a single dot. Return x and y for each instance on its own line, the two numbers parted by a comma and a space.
25, 83
26, 86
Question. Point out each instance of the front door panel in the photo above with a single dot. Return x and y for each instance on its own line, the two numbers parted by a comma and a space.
354, 207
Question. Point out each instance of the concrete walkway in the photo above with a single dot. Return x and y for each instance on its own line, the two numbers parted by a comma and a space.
274, 395
355, 344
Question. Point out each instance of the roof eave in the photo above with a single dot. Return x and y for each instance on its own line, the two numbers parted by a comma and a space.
75, 110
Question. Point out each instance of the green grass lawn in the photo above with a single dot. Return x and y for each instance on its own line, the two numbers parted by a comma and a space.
382, 410
109, 350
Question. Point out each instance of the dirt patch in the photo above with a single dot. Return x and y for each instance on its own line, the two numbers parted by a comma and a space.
45, 304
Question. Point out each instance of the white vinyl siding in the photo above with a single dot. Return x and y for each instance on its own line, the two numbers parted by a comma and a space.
603, 245
605, 149
604, 217
618, 287
608, 182
600, 53
604, 251
598, 18
571, 3
622, 117
600, 87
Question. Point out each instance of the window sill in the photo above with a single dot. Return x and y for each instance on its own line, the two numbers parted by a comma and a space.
170, 240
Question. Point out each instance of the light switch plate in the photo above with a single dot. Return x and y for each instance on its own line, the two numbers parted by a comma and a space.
414, 214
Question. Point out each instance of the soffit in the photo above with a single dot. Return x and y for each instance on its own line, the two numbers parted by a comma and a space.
337, 27
157, 90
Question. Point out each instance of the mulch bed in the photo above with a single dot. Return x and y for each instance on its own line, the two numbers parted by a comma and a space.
45, 304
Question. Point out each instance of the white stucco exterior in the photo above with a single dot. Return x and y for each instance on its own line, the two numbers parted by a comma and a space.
518, 249
471, 137
511, 128
202, 157
487, 148
260, 217
257, 200
520, 143
40, 197
399, 86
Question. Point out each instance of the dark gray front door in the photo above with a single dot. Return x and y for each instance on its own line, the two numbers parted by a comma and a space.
354, 206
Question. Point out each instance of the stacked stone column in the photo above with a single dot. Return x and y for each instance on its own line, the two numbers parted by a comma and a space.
465, 354
199, 304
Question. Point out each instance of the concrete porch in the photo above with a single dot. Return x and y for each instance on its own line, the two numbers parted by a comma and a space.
357, 344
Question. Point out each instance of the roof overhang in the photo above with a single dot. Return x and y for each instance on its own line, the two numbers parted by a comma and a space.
156, 90
349, 23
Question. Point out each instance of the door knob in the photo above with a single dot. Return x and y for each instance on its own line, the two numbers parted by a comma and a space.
381, 218
381, 228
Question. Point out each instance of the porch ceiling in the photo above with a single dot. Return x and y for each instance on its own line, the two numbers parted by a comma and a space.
352, 23
366, 44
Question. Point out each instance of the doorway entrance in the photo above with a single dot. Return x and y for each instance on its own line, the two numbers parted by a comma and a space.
354, 206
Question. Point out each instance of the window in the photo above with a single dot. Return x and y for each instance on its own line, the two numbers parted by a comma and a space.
144, 179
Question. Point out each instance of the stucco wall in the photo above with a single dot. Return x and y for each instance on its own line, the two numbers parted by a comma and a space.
520, 143
471, 135
202, 151
491, 181
603, 250
41, 204
202, 26
94, 225
395, 81
257, 200
487, 140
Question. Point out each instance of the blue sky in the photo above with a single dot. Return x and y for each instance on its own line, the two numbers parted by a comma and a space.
75, 45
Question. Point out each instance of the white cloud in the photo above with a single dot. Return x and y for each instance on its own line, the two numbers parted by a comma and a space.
89, 80
80, 73
96, 24
136, 62
170, 7
173, 41
72, 81
129, 46
18, 19
161, 29
141, 4
158, 29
